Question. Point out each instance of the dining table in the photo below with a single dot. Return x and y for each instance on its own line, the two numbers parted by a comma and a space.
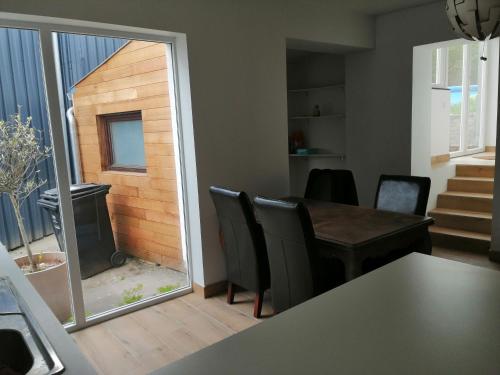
359, 235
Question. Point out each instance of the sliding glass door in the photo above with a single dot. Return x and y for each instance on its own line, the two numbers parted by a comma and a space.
115, 204
127, 200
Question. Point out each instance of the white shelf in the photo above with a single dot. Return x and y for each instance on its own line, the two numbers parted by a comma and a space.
334, 115
331, 156
309, 89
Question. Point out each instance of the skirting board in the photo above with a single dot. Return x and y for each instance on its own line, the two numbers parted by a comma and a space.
210, 290
440, 159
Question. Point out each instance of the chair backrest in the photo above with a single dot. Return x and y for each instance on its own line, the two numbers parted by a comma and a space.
332, 185
404, 194
242, 240
290, 242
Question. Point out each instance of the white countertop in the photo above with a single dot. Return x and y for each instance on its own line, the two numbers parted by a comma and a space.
73, 360
418, 315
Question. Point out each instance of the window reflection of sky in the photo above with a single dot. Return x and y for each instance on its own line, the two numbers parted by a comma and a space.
456, 93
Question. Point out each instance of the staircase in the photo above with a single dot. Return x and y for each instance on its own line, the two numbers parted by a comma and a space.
463, 213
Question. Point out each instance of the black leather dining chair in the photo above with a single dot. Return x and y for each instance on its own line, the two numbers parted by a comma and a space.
243, 242
403, 194
297, 272
332, 185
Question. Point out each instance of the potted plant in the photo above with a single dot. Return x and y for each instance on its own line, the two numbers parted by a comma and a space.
20, 154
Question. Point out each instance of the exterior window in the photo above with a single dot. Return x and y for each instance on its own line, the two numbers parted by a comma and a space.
439, 72
458, 68
435, 67
454, 84
439, 67
122, 142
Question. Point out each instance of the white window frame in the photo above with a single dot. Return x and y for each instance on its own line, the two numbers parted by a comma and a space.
184, 141
441, 68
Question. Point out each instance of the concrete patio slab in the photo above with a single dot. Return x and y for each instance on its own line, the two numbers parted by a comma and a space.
137, 279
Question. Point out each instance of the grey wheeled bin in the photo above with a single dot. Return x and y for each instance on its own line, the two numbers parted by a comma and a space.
96, 245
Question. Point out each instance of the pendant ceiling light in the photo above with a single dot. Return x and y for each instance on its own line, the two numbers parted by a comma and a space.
474, 19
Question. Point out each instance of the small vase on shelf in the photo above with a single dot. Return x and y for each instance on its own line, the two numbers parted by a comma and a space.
296, 141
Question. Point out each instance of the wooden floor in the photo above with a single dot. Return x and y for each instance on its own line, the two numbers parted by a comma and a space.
476, 259
143, 341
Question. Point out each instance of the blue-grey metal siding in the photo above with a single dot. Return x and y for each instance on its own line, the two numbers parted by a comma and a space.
21, 83
79, 55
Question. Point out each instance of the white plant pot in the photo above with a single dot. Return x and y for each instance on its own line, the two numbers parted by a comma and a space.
52, 283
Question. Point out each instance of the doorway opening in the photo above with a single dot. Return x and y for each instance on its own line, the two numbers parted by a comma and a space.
454, 123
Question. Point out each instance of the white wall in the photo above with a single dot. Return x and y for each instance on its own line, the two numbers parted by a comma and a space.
421, 114
424, 127
379, 95
440, 121
238, 83
490, 118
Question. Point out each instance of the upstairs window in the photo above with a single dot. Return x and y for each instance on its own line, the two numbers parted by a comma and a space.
459, 69
439, 67
122, 142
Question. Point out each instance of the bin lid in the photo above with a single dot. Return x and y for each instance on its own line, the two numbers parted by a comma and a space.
77, 191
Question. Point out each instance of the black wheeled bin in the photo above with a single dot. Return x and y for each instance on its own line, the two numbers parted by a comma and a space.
96, 245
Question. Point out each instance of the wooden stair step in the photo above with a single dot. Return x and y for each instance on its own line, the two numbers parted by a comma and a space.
472, 221
471, 184
460, 200
474, 170
459, 239
460, 233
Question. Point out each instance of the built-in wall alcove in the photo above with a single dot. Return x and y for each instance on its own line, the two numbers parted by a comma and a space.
316, 114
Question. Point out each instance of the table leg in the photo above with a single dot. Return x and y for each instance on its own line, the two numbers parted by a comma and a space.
424, 245
427, 242
353, 269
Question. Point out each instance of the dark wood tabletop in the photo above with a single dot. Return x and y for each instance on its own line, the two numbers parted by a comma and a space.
355, 226
365, 238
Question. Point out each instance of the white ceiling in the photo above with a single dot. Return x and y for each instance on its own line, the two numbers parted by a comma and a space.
376, 7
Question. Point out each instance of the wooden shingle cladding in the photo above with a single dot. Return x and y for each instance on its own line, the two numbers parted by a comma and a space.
143, 206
